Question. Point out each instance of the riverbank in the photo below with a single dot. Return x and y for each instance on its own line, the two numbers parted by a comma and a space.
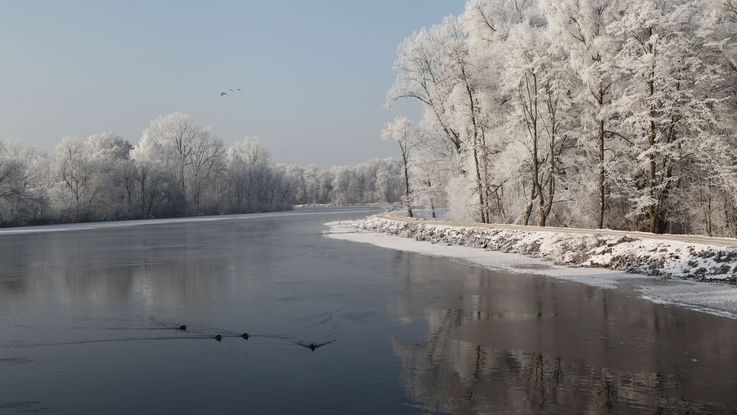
667, 256
659, 270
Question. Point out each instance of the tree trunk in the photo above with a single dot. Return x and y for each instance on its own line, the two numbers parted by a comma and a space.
479, 184
432, 205
552, 110
528, 213
407, 198
537, 188
652, 137
602, 173
651, 182
479, 187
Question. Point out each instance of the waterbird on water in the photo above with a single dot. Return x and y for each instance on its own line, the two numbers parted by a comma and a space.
313, 346
245, 336
183, 327
218, 337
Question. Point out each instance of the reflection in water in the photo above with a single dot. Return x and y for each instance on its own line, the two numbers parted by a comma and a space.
143, 267
520, 382
90, 322
529, 345
27, 407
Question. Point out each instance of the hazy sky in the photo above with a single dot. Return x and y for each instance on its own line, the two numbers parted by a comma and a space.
314, 73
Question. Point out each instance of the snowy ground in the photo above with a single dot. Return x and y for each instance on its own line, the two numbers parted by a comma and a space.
578, 256
685, 257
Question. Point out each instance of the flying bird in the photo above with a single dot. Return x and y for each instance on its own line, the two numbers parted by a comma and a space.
313, 346
230, 90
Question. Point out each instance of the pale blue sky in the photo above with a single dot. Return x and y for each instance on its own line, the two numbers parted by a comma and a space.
314, 73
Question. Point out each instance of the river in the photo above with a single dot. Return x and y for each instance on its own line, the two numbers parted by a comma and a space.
90, 323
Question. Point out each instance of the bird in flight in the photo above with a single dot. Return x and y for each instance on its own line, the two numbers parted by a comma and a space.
313, 346
230, 90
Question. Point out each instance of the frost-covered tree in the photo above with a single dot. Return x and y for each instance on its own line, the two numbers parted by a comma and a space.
177, 144
437, 68
404, 133
488, 24
375, 182
423, 74
206, 168
582, 112
78, 186
176, 168
580, 26
667, 107
24, 184
248, 164
155, 184
432, 161
110, 156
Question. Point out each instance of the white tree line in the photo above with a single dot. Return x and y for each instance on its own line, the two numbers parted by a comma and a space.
586, 113
177, 168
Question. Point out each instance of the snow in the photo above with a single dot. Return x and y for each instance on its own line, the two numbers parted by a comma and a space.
571, 257
661, 256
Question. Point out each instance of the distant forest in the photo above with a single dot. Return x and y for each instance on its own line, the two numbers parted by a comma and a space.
177, 168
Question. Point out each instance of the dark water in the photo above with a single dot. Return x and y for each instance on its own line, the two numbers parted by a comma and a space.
88, 325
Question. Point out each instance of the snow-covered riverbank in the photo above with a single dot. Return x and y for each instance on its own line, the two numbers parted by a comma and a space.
598, 259
637, 253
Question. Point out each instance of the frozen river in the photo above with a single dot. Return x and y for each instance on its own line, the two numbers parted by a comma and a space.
89, 324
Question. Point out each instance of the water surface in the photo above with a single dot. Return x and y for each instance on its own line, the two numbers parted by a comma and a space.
88, 324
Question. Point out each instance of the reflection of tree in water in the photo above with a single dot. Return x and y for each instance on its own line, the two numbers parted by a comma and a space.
449, 372
456, 376
150, 266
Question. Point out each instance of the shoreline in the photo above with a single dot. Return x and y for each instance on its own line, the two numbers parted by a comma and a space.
717, 299
112, 224
698, 258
